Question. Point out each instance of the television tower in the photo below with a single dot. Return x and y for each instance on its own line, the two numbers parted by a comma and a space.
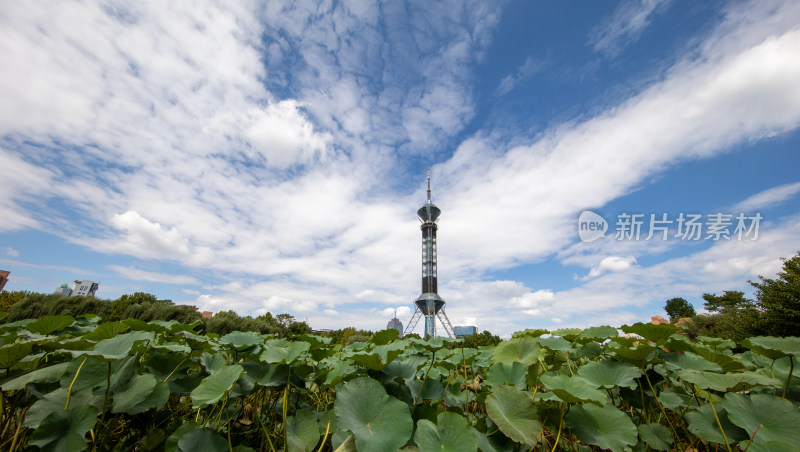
429, 304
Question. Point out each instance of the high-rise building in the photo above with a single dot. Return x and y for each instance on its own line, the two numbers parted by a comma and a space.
429, 305
396, 324
84, 288
464, 331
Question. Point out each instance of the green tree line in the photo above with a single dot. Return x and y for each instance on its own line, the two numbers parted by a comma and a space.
147, 307
774, 312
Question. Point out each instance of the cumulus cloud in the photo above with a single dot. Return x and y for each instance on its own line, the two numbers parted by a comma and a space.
612, 264
150, 238
12, 252
533, 300
285, 137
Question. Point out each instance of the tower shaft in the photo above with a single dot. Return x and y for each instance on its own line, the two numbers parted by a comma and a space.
429, 270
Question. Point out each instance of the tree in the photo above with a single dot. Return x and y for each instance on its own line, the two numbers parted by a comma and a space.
678, 307
8, 299
730, 299
285, 319
480, 339
731, 316
779, 299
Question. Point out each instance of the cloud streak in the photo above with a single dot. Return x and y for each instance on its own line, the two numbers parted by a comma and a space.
625, 25
142, 275
768, 198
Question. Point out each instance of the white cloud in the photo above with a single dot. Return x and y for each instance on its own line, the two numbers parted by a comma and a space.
20, 181
625, 25
150, 238
142, 275
612, 264
284, 137
533, 300
521, 206
727, 265
12, 252
768, 198
176, 134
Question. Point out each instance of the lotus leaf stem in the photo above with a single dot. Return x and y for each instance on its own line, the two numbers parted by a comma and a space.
176, 368
752, 437
69, 391
719, 424
324, 438
558, 436
16, 432
671, 427
791, 370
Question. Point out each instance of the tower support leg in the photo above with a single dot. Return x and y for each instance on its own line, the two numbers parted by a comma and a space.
446, 323
413, 322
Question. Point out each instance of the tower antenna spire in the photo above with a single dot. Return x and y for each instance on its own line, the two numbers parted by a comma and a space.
429, 184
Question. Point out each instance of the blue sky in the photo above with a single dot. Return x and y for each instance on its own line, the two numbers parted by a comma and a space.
270, 156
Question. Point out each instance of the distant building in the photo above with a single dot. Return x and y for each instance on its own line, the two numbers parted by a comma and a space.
84, 288
463, 331
207, 314
396, 324
64, 290
3, 278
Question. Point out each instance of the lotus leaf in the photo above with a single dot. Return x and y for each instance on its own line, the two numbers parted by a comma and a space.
653, 333
776, 419
65, 430
302, 431
774, 347
140, 394
514, 413
214, 386
280, 351
202, 440
605, 426
607, 374
513, 374
385, 336
378, 422
597, 334
43, 375
573, 390
450, 433
702, 423
50, 324
107, 331
241, 341
524, 350
656, 436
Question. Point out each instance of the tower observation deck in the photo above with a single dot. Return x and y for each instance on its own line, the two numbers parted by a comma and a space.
429, 304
